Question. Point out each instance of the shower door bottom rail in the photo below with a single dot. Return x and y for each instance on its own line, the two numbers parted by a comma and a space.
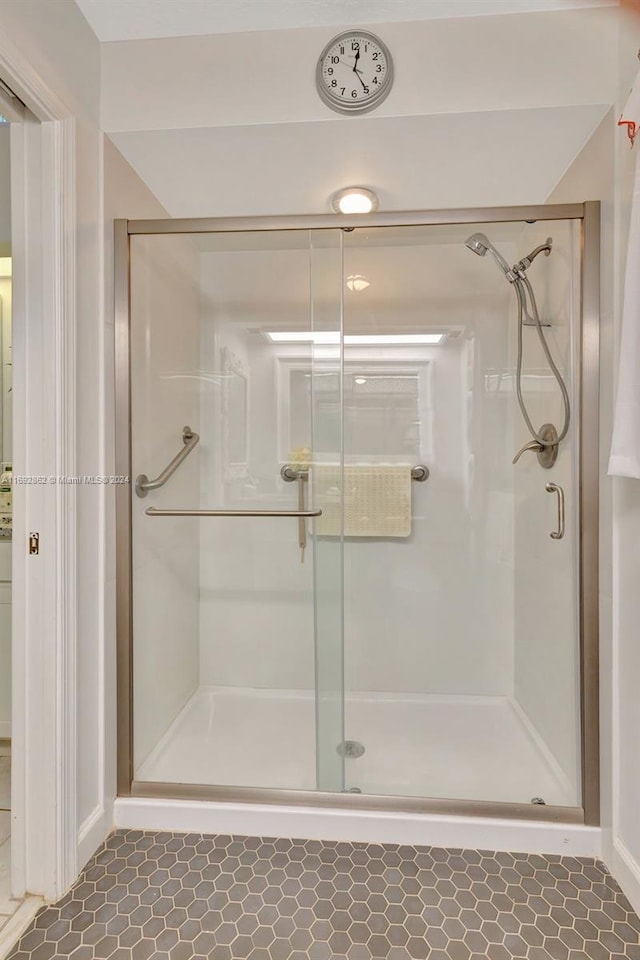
157, 512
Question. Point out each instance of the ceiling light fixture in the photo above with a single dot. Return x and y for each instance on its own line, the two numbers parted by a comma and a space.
354, 200
357, 282
331, 337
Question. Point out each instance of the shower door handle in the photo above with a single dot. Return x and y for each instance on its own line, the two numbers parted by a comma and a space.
178, 512
557, 489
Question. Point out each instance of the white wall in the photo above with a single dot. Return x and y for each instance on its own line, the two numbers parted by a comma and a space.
625, 856
462, 127
449, 66
62, 48
5, 659
6, 377
5, 584
5, 192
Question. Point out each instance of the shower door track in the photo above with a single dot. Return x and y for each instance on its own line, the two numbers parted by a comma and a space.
588, 214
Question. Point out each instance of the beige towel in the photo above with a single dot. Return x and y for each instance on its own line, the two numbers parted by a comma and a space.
377, 500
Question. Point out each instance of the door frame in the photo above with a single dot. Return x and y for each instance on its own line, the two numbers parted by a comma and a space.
588, 333
44, 827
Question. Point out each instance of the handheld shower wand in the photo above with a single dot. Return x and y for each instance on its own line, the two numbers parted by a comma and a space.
479, 243
546, 440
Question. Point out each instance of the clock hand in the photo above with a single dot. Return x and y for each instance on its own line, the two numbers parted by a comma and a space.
357, 72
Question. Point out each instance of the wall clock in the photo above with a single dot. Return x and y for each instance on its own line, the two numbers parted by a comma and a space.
354, 72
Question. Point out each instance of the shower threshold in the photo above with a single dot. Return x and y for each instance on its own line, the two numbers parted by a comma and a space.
460, 747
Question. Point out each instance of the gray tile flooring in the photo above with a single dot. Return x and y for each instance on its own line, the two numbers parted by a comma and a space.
163, 896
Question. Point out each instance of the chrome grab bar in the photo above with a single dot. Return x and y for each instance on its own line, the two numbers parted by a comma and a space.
557, 489
143, 484
156, 512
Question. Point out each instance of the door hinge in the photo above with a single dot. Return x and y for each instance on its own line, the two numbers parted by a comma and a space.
34, 543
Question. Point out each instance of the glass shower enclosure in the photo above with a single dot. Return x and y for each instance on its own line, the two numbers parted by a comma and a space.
334, 582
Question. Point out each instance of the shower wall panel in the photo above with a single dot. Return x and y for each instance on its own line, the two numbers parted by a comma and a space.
165, 346
256, 596
433, 614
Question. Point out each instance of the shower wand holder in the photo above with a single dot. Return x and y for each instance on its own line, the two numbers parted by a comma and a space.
530, 322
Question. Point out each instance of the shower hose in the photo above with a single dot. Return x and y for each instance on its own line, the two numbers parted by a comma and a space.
521, 283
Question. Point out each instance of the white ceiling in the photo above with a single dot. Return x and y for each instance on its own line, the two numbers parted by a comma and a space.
152, 19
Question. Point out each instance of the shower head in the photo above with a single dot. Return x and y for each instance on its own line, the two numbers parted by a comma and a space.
479, 243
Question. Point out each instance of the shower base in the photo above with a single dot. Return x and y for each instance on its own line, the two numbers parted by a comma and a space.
465, 748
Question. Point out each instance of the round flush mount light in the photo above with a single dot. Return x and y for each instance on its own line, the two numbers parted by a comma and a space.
356, 282
354, 200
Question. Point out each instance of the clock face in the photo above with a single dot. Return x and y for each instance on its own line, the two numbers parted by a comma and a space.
355, 72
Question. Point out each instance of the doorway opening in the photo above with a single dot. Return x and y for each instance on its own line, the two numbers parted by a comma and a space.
12, 111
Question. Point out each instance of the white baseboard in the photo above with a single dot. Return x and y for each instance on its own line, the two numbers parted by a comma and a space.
626, 871
358, 826
91, 834
16, 926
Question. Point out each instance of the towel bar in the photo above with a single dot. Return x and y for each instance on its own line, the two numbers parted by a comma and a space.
290, 473
178, 512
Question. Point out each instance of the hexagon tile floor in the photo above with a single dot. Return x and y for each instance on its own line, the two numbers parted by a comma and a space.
163, 896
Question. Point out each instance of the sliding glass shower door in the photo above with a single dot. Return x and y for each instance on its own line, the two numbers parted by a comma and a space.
462, 617
237, 608
354, 566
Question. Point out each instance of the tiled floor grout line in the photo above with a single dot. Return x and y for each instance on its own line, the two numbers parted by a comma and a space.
164, 896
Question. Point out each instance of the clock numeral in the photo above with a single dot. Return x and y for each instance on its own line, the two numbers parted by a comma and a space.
335, 59
375, 80
379, 68
354, 93
366, 90
355, 45
342, 51
334, 83
342, 89
330, 71
375, 56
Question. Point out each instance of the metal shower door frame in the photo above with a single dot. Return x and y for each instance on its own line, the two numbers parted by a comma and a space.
588, 214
